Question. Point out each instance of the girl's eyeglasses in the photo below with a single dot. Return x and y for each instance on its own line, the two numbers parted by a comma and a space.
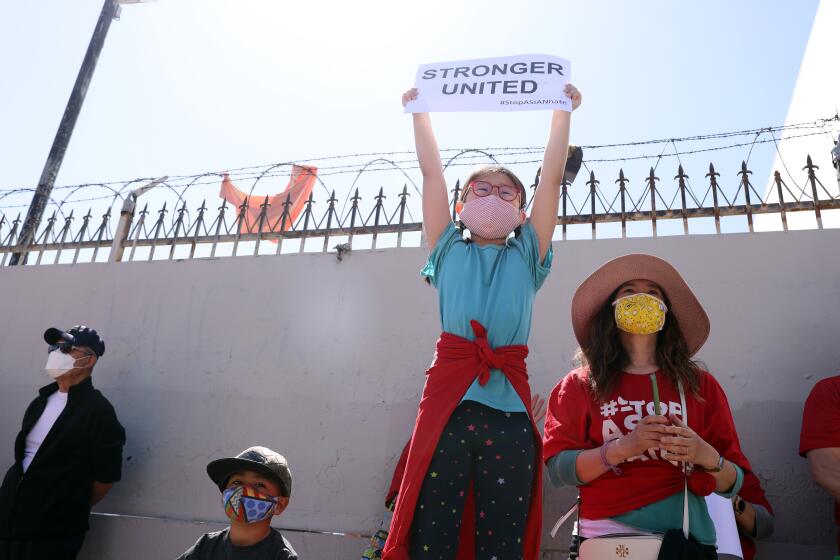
483, 188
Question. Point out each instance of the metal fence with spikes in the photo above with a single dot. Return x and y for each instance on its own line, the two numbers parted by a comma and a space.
230, 231
745, 201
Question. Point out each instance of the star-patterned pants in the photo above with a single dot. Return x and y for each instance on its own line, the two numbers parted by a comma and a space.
495, 450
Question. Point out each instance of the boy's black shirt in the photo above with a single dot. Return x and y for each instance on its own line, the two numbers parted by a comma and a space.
217, 546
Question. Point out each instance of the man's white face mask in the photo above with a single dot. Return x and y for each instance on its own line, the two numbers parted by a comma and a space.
59, 363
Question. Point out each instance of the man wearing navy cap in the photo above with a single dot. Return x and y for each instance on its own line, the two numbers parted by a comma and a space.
68, 454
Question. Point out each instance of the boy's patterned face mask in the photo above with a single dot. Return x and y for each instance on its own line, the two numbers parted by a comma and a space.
640, 313
246, 504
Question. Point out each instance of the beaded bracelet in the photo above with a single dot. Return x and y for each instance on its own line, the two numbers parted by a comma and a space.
604, 461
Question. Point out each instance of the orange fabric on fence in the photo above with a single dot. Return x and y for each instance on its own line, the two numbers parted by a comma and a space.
297, 192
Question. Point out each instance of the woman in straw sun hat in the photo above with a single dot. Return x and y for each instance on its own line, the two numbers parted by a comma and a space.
615, 426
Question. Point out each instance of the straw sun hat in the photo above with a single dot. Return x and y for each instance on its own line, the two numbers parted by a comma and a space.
591, 295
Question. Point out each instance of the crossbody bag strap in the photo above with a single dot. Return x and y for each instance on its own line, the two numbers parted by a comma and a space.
685, 474
565, 517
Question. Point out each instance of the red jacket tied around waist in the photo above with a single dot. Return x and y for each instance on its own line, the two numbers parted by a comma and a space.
458, 361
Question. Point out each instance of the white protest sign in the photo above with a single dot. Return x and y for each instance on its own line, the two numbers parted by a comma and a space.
512, 83
723, 516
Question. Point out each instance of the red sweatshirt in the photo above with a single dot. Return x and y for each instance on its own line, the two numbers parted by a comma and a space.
458, 361
821, 425
575, 420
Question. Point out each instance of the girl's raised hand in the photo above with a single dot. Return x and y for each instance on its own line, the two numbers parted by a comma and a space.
410, 95
569, 90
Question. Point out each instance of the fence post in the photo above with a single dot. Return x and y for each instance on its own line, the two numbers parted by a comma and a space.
260, 223
307, 213
651, 181
126, 217
745, 182
241, 218
64, 231
377, 212
85, 221
354, 209
402, 196
593, 186
812, 178
682, 177
285, 222
622, 189
712, 176
777, 178
158, 225
179, 222
219, 220
12, 234
330, 211
198, 223
47, 232
100, 233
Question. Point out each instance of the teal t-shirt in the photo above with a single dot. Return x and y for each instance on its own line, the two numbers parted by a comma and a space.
495, 285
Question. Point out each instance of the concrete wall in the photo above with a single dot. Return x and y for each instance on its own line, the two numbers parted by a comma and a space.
324, 360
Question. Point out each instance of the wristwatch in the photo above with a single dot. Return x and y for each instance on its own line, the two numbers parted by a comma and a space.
719, 466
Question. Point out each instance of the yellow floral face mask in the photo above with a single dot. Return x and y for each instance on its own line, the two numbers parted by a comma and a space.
640, 313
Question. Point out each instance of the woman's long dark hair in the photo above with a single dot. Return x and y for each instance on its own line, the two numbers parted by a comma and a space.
606, 358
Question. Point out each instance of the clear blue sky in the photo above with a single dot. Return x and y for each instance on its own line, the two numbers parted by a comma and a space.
185, 86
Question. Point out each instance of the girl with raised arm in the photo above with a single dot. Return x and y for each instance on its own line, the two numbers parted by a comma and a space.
475, 447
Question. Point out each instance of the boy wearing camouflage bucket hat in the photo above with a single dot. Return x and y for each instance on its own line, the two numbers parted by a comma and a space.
255, 486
